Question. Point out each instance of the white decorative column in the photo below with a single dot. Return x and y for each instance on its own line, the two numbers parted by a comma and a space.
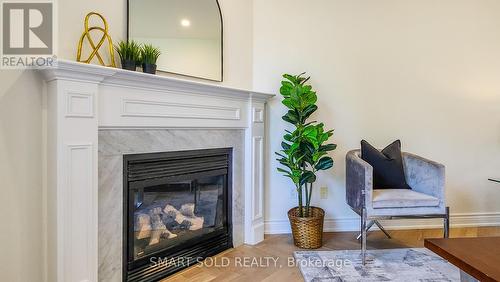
254, 180
72, 180
85, 98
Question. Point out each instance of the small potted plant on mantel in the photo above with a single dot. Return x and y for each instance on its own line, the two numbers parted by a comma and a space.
304, 153
130, 54
149, 56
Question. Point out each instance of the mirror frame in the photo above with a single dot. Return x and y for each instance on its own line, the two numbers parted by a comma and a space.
221, 46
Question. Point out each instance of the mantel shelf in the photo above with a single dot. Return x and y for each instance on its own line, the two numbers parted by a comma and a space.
70, 70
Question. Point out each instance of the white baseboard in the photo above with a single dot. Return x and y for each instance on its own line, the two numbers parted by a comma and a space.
282, 226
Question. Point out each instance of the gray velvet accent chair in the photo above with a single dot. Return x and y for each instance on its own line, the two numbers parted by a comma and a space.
426, 199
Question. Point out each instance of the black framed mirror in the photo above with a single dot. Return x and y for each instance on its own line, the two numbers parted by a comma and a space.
189, 34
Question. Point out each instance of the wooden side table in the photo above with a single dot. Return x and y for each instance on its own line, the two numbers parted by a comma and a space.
477, 258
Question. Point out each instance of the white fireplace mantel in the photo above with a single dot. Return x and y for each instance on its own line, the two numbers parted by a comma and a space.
82, 98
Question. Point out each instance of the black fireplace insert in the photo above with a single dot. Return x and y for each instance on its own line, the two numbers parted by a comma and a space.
177, 210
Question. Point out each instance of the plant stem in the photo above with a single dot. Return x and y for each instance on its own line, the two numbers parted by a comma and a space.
307, 202
299, 192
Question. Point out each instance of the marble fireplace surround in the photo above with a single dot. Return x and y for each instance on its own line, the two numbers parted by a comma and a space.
96, 114
113, 144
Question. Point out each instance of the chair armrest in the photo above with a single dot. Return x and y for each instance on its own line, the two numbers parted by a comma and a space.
359, 181
424, 175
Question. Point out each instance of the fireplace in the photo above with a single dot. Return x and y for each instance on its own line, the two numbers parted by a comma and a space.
177, 210
95, 115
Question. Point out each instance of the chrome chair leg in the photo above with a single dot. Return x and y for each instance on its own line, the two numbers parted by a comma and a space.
370, 224
363, 236
382, 228
447, 223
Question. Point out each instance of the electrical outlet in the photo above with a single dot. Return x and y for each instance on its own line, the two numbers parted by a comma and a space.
293, 194
323, 192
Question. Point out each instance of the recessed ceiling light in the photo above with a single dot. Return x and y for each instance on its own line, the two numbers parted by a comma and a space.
185, 22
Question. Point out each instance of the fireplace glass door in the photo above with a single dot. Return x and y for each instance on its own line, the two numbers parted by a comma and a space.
177, 205
170, 214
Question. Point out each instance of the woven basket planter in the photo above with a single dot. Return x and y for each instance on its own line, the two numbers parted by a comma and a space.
307, 231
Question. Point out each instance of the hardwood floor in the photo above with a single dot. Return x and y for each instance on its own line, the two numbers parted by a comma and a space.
280, 248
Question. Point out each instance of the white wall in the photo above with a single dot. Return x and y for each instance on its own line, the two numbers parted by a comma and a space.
427, 72
21, 210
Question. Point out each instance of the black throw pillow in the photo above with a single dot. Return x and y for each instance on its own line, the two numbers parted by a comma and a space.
388, 171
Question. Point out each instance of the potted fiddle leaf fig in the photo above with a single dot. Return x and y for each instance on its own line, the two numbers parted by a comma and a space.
304, 152
130, 54
149, 56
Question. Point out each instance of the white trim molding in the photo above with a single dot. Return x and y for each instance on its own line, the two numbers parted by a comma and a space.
257, 177
73, 71
282, 226
83, 98
258, 115
144, 108
79, 104
79, 226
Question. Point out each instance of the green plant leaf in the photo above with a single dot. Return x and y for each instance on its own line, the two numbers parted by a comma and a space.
328, 147
285, 88
284, 162
285, 145
308, 148
284, 171
309, 130
307, 177
324, 163
293, 148
291, 78
291, 116
308, 111
310, 97
287, 119
304, 80
289, 103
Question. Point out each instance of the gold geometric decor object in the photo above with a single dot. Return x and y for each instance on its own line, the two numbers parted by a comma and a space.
95, 47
